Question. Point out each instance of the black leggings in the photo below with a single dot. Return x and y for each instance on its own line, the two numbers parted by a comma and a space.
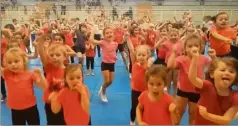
98, 37
90, 62
29, 115
3, 89
134, 102
52, 118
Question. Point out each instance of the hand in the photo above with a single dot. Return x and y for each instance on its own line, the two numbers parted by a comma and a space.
202, 111
142, 124
228, 41
52, 94
37, 71
211, 52
172, 107
194, 51
79, 55
34, 44
79, 87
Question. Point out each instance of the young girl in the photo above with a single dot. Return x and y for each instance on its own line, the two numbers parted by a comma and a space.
218, 103
139, 66
156, 107
90, 54
52, 59
221, 35
20, 92
68, 35
73, 98
109, 58
133, 41
168, 45
186, 93
14, 44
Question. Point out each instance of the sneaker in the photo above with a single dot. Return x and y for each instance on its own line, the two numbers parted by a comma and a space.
132, 123
88, 73
130, 76
3, 99
103, 97
92, 74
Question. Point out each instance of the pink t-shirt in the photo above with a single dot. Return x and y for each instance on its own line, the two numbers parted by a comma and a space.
214, 103
109, 51
156, 112
20, 90
169, 48
183, 63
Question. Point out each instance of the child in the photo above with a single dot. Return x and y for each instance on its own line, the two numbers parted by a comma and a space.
90, 54
52, 59
161, 51
186, 93
109, 58
19, 80
156, 107
218, 103
73, 98
221, 35
139, 66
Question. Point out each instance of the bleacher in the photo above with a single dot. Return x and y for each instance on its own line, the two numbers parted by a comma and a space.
168, 10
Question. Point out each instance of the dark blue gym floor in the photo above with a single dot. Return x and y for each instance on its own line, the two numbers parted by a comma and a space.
115, 112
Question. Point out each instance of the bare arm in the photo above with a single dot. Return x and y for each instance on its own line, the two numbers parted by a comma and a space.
224, 119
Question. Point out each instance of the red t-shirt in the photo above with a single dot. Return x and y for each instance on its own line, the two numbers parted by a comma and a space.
71, 104
220, 46
136, 41
52, 73
118, 36
214, 103
138, 78
20, 89
156, 112
69, 40
91, 51
151, 37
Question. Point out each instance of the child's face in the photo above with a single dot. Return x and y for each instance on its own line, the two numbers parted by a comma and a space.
224, 75
222, 20
170, 26
142, 55
18, 38
74, 78
58, 39
108, 34
163, 32
155, 85
56, 56
173, 36
191, 44
14, 62
136, 31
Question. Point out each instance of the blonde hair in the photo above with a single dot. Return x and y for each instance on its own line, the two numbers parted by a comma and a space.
56, 46
140, 47
190, 37
174, 30
16, 52
12, 45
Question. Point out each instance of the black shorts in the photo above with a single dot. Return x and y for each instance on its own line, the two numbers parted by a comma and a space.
192, 97
160, 61
120, 47
108, 66
79, 49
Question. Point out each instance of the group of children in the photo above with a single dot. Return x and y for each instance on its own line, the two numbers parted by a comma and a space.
211, 96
